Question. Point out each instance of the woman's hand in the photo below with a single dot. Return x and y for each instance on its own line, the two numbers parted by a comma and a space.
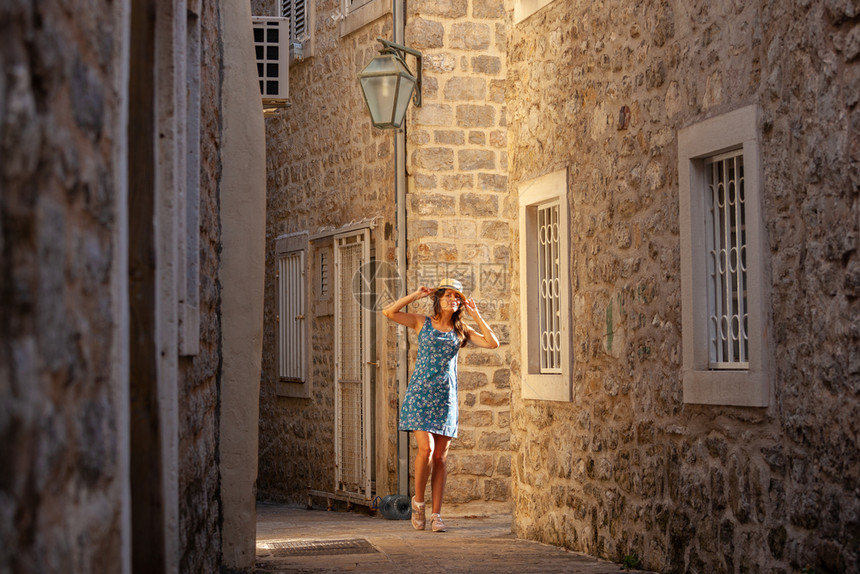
422, 292
471, 308
486, 338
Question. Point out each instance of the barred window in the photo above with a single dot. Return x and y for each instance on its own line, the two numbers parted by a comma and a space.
725, 290
727, 266
545, 309
549, 289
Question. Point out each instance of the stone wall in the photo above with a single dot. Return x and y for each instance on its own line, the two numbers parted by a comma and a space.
627, 467
63, 425
327, 167
60, 480
459, 217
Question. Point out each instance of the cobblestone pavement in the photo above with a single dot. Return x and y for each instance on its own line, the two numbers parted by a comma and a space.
293, 539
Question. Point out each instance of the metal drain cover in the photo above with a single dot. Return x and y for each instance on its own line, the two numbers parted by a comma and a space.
317, 547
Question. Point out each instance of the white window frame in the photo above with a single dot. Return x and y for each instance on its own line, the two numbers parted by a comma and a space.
359, 13
551, 384
293, 306
525, 8
704, 382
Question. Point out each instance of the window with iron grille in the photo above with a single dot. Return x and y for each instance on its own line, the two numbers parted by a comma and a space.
727, 268
549, 293
545, 309
725, 294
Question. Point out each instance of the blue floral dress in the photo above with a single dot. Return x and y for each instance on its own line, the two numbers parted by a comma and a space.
430, 403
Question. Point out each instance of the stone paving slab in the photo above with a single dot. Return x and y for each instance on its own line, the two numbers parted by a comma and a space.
473, 544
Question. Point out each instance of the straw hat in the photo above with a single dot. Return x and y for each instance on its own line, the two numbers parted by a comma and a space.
453, 285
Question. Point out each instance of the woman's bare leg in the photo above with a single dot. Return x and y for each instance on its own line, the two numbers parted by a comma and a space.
422, 462
439, 453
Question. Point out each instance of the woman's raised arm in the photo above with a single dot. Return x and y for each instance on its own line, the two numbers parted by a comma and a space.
411, 320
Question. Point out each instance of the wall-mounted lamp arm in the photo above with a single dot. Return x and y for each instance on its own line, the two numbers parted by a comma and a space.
399, 50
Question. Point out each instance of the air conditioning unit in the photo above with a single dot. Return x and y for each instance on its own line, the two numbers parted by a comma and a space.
272, 49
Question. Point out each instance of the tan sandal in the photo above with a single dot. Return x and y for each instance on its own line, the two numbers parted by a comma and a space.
418, 520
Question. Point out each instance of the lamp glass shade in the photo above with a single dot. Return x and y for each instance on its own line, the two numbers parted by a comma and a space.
387, 85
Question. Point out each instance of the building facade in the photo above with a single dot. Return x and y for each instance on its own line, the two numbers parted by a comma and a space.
332, 183
656, 207
708, 161
130, 162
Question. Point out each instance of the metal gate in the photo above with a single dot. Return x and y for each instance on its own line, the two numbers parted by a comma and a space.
352, 367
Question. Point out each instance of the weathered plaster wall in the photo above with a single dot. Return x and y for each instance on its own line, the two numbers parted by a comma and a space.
242, 196
460, 218
627, 467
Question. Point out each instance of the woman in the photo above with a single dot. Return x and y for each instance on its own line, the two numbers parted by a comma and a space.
430, 407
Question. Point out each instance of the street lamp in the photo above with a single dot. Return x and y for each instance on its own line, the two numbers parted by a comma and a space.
387, 85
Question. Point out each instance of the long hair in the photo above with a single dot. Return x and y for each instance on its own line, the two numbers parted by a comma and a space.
459, 326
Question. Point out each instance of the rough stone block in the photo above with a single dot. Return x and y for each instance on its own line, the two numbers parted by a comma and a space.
475, 418
442, 8
479, 205
422, 228
439, 63
491, 65
433, 204
433, 158
488, 9
474, 464
476, 116
424, 34
458, 182
436, 252
492, 182
449, 137
471, 380
460, 488
494, 399
497, 91
461, 229
424, 180
499, 138
469, 36
481, 359
465, 88
496, 489
472, 159
502, 379
477, 138
433, 115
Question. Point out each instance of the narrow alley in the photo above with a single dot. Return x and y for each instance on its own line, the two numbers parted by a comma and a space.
293, 539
